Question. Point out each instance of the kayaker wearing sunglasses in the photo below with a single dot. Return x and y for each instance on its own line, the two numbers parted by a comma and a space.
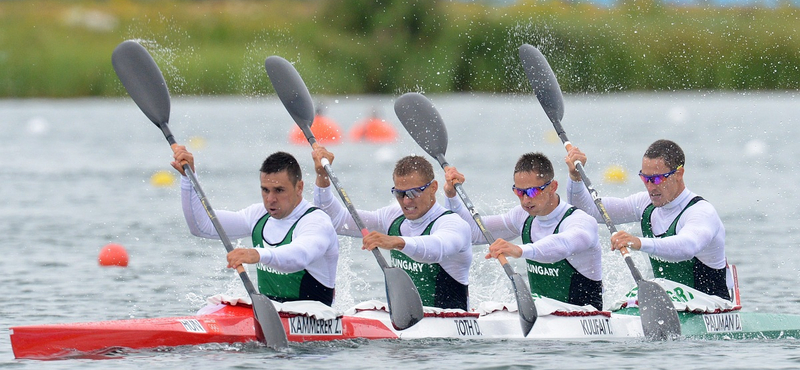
425, 239
560, 242
682, 232
296, 247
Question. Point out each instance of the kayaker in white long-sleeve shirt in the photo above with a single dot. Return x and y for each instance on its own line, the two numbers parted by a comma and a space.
560, 243
296, 247
425, 239
682, 232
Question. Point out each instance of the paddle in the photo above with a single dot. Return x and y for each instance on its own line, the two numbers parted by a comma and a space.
405, 305
144, 82
423, 122
659, 318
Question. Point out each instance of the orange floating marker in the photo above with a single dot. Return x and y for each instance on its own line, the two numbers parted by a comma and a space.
325, 130
113, 255
373, 130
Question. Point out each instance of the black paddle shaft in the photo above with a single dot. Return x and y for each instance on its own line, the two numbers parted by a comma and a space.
658, 315
423, 122
402, 296
144, 82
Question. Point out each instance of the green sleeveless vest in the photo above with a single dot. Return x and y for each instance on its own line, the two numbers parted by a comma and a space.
681, 272
551, 280
279, 285
692, 273
436, 287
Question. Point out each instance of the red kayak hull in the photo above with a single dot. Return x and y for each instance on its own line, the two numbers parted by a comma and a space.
231, 324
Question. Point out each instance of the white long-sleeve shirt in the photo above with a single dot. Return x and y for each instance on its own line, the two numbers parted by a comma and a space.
448, 243
314, 246
699, 232
577, 239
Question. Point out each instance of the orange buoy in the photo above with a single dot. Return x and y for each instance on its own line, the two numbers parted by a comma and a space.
373, 130
325, 130
113, 255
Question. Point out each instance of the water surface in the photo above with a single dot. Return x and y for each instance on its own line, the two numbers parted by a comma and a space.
75, 176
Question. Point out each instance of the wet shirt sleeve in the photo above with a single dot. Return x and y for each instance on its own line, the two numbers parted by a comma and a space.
500, 226
236, 224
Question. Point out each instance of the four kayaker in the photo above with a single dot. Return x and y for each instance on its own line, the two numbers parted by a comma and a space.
682, 232
560, 242
424, 238
295, 244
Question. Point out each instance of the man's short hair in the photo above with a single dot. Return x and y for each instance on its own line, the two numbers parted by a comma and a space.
535, 162
280, 161
414, 164
667, 150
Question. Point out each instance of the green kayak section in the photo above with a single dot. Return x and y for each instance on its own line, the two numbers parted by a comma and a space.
734, 325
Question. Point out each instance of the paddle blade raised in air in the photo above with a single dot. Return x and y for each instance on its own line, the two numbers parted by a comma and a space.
292, 91
543, 81
143, 80
423, 123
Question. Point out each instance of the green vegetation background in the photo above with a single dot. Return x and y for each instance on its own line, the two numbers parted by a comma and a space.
63, 48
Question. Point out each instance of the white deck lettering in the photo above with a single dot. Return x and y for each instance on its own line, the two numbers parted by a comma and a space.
722, 322
596, 327
304, 325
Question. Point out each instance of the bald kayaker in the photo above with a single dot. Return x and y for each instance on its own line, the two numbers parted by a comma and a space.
559, 242
296, 247
425, 239
682, 232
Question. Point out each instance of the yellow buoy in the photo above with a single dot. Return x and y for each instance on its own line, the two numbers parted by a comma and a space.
551, 137
615, 174
197, 142
163, 178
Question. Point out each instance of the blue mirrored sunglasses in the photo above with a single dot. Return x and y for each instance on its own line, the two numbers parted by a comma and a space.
410, 193
657, 179
530, 192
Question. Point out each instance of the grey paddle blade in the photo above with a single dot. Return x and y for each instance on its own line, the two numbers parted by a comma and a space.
659, 318
143, 80
423, 123
543, 81
405, 306
525, 305
292, 91
269, 328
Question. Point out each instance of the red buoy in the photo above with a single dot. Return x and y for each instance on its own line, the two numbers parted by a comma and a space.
113, 255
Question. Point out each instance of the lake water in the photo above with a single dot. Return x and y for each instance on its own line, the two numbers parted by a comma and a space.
75, 175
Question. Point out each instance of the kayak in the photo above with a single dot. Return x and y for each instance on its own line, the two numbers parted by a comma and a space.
225, 323
230, 320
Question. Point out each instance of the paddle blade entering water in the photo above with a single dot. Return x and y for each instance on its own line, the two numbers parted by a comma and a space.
143, 80
292, 91
269, 328
543, 81
423, 123
403, 299
659, 318
525, 305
